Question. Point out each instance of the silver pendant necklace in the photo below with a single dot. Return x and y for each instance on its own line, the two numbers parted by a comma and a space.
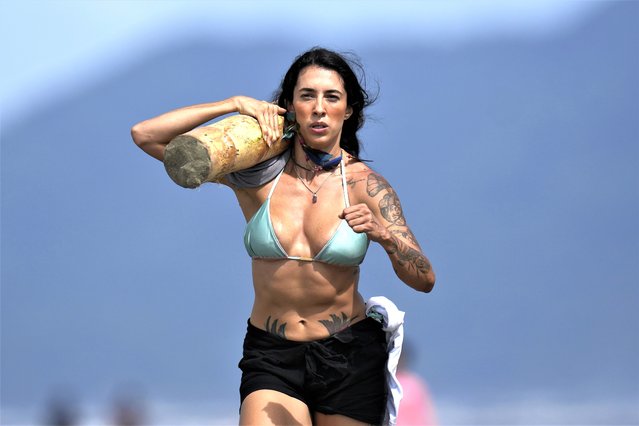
314, 198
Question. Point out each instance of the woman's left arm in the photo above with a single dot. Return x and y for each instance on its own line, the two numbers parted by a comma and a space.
381, 217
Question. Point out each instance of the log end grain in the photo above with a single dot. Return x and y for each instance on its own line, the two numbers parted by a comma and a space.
187, 161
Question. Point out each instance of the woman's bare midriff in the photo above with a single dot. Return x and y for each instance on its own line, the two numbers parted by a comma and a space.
312, 300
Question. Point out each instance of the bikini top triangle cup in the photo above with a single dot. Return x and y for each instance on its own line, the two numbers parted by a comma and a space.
346, 247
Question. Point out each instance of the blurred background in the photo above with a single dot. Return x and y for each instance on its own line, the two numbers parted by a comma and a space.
510, 130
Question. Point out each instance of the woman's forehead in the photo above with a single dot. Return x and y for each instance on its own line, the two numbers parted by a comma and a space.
316, 78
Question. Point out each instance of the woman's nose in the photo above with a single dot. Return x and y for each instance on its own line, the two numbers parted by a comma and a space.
318, 108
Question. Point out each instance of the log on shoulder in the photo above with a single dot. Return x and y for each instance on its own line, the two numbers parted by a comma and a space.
208, 153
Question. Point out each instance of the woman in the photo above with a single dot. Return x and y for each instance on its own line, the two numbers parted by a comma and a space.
311, 355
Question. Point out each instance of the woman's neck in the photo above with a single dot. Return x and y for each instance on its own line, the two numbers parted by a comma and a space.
313, 159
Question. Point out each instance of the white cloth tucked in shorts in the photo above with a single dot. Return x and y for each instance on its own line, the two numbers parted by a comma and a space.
392, 320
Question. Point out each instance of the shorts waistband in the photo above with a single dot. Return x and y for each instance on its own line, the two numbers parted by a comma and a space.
367, 324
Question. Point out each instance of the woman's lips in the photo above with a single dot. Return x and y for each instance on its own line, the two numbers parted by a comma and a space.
319, 128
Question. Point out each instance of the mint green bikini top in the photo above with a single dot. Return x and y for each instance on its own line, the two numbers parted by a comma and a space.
346, 247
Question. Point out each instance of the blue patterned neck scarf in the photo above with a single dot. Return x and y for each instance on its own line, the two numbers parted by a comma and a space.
323, 160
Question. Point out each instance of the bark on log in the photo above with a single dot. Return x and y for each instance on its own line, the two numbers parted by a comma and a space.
206, 154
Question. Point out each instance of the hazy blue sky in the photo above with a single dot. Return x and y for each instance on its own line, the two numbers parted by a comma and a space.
51, 44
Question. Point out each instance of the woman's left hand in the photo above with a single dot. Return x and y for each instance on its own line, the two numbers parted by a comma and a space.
362, 220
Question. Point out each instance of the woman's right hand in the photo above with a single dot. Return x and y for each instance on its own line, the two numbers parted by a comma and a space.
266, 113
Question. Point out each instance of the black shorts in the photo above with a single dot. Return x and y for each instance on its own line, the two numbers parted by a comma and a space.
344, 373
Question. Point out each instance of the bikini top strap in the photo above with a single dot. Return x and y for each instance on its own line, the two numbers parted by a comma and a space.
344, 186
277, 179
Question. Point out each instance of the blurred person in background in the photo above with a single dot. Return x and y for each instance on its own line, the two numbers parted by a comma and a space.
128, 408
61, 409
311, 354
416, 408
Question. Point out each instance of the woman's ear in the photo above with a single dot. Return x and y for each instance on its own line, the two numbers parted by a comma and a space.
349, 112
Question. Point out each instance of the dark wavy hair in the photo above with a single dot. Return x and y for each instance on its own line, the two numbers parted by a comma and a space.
356, 96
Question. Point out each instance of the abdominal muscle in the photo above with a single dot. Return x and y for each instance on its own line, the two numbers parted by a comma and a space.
312, 300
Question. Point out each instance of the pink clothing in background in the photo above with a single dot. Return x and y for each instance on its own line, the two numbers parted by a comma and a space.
416, 407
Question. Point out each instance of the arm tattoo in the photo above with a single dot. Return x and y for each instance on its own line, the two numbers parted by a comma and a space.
375, 184
408, 257
393, 247
389, 205
274, 329
391, 209
352, 182
337, 323
406, 234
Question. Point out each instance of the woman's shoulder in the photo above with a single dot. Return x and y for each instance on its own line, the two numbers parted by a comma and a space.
362, 179
358, 169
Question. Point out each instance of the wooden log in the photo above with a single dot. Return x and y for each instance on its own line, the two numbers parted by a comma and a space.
208, 153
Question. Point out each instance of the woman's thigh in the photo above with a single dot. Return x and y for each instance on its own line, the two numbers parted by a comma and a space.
268, 407
336, 420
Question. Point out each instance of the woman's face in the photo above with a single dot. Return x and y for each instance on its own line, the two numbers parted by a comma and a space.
319, 102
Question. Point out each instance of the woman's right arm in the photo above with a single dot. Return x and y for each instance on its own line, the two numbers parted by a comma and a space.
154, 134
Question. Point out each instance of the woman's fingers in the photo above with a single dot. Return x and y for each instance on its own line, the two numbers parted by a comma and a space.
267, 115
270, 122
362, 220
358, 215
